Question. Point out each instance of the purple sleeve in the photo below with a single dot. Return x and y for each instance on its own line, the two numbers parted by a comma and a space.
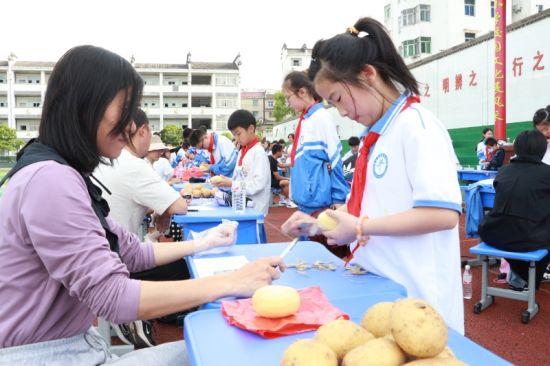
68, 238
136, 255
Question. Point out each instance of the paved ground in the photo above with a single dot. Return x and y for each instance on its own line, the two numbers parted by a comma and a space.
498, 328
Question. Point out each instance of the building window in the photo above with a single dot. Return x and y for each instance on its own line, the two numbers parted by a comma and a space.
492, 9
425, 44
408, 17
296, 62
255, 114
468, 36
416, 46
470, 7
540, 8
145, 104
255, 102
270, 104
170, 82
23, 128
387, 13
36, 104
166, 105
2, 104
425, 15
37, 81
408, 48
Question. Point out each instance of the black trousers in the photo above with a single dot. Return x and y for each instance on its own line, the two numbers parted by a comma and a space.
522, 269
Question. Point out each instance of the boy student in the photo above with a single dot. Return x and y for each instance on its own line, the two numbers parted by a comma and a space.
223, 155
278, 181
252, 159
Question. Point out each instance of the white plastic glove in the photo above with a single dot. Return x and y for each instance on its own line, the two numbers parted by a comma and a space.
153, 237
222, 235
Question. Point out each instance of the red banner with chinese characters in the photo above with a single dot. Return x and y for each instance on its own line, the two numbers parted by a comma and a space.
500, 69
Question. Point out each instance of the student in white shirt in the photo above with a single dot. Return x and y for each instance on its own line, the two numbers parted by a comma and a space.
409, 209
135, 186
160, 159
223, 155
252, 159
541, 121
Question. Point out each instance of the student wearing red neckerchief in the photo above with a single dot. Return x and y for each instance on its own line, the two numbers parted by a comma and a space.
317, 175
402, 216
252, 159
223, 155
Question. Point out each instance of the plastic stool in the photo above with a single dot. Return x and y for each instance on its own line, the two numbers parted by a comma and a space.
488, 293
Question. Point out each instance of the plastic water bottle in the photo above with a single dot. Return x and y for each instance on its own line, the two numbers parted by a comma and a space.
467, 282
238, 191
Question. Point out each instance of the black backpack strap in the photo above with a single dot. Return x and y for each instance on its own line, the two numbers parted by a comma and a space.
34, 152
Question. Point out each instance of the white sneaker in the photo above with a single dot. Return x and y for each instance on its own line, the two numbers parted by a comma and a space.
291, 204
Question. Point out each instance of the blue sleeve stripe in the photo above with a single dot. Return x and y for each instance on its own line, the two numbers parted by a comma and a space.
311, 147
313, 143
440, 204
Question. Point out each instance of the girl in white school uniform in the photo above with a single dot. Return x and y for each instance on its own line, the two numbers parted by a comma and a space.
402, 215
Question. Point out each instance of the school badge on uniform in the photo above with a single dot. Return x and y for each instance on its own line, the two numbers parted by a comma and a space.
380, 165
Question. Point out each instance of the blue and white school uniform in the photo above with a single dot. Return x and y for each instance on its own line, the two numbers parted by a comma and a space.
225, 156
413, 165
312, 187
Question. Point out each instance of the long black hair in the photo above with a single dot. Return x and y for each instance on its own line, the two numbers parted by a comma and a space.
297, 80
83, 83
342, 57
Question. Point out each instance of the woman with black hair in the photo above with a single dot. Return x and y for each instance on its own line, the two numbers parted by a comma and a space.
541, 121
402, 215
63, 260
520, 218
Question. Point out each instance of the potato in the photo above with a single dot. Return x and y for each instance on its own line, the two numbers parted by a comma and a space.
308, 352
197, 193
417, 328
275, 301
378, 352
436, 362
188, 189
377, 319
206, 192
342, 336
446, 353
325, 222
216, 179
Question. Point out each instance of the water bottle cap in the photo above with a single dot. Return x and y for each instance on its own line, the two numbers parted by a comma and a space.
467, 267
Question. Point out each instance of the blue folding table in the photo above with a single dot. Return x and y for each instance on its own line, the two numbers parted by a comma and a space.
337, 284
471, 175
211, 341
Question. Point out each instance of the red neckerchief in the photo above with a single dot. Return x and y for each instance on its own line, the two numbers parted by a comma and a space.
488, 154
246, 148
360, 175
297, 135
211, 149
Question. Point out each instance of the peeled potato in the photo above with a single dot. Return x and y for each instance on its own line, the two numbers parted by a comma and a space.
308, 352
342, 336
436, 362
377, 319
378, 352
197, 193
417, 328
276, 301
216, 179
325, 222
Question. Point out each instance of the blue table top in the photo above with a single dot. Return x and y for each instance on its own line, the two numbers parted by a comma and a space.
338, 284
219, 213
207, 330
475, 175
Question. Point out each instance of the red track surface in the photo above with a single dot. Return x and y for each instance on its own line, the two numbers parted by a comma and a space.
498, 328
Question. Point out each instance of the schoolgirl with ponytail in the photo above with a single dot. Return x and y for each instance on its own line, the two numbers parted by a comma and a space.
402, 216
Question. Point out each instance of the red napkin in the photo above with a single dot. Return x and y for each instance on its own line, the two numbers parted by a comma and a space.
315, 310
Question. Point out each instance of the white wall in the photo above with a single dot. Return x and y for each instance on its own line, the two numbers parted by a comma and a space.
474, 106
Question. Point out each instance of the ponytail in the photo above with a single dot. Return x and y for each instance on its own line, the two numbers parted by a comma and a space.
342, 57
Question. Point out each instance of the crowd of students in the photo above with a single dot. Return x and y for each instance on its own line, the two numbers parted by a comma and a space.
72, 210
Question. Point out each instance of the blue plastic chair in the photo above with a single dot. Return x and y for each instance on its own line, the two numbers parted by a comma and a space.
488, 293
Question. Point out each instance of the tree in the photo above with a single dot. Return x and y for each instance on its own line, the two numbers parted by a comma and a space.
280, 109
8, 139
171, 135
228, 134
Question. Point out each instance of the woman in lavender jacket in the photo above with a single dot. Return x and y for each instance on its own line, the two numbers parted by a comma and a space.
63, 260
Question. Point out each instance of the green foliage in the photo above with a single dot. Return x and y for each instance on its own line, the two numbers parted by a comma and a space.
280, 109
8, 139
228, 134
171, 135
